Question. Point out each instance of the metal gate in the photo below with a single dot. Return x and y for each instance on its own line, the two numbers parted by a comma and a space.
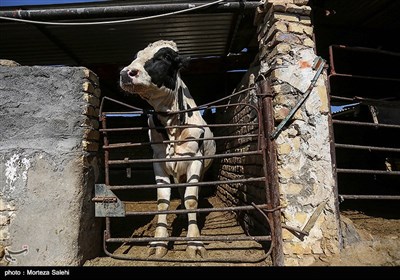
130, 156
366, 88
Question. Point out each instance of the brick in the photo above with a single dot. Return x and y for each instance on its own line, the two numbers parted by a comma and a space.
90, 146
305, 20
92, 100
93, 123
295, 28
285, 17
308, 43
297, 9
90, 111
88, 87
91, 134
91, 76
281, 37
276, 27
301, 2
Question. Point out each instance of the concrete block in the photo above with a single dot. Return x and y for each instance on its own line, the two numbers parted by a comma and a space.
41, 166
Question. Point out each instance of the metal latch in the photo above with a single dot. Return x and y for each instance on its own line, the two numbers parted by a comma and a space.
107, 204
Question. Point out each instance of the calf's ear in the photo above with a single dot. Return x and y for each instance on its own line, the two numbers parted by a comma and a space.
182, 61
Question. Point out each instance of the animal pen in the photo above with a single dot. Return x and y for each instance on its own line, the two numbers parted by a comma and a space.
304, 110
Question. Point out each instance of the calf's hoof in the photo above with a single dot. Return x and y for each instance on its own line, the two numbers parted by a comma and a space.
193, 250
157, 251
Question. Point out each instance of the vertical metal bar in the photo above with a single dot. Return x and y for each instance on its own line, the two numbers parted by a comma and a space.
272, 186
106, 152
103, 120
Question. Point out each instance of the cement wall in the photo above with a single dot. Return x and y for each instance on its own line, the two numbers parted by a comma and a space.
305, 171
48, 165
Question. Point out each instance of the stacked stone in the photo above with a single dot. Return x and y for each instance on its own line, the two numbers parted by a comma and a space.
91, 136
305, 171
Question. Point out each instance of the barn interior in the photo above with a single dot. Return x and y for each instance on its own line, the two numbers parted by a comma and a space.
354, 37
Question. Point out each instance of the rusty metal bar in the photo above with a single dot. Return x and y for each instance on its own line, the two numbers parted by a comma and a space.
177, 185
378, 197
270, 166
369, 148
375, 125
126, 145
199, 238
387, 102
359, 50
198, 210
365, 77
145, 128
115, 162
106, 153
365, 171
104, 199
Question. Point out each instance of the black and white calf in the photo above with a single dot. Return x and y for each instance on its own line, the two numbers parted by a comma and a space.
154, 76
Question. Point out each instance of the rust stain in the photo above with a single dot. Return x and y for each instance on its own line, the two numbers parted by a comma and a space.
304, 64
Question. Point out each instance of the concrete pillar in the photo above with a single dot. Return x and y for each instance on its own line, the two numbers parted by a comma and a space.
305, 172
48, 165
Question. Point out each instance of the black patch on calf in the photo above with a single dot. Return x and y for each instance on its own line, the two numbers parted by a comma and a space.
181, 106
163, 67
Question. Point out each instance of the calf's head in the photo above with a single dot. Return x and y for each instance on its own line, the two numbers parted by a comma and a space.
154, 68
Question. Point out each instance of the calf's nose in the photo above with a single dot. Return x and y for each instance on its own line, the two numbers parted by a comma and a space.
127, 74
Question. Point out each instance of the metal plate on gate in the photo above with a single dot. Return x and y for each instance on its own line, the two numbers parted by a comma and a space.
107, 204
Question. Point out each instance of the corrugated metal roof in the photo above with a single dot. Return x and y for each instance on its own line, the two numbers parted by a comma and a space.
196, 34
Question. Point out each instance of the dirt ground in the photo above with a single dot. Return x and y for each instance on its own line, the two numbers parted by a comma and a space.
369, 240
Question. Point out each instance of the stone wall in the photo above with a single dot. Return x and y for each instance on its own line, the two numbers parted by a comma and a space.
48, 165
305, 172
243, 167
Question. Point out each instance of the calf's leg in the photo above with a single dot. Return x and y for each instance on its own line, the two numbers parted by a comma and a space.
160, 248
191, 202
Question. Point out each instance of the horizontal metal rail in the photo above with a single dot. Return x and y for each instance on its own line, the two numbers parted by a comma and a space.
198, 210
129, 10
375, 125
115, 162
145, 128
369, 148
365, 77
199, 238
177, 185
130, 144
370, 196
365, 171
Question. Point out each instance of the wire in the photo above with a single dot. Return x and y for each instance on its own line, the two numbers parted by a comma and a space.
113, 21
